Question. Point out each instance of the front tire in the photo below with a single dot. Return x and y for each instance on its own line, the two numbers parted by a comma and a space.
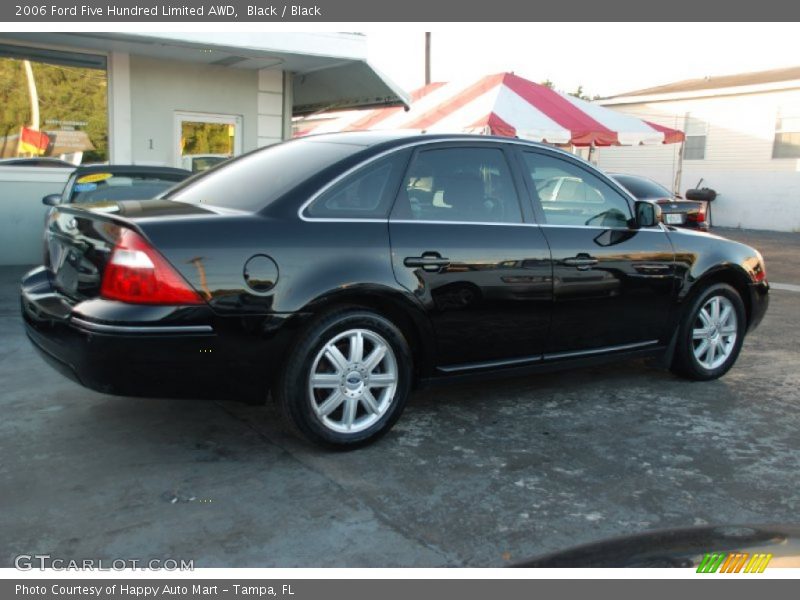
711, 334
346, 380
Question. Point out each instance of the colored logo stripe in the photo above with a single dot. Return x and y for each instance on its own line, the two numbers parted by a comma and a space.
734, 562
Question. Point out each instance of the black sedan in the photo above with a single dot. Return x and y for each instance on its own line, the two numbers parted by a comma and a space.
341, 271
95, 183
675, 210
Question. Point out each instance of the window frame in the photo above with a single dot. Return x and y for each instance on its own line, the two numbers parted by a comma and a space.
780, 130
687, 121
508, 152
535, 202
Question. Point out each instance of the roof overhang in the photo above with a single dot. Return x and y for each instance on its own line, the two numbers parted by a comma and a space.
762, 88
330, 70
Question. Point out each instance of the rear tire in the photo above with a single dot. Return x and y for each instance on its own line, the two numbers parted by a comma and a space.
710, 334
346, 380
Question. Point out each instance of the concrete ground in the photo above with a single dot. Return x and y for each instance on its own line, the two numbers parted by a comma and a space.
472, 475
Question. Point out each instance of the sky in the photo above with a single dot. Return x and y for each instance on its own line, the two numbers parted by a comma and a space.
604, 58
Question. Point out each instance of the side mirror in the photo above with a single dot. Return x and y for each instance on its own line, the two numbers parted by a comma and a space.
648, 214
52, 200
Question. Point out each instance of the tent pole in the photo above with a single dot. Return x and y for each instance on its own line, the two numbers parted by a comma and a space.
679, 168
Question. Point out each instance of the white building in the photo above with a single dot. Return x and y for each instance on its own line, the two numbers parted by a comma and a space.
252, 82
743, 140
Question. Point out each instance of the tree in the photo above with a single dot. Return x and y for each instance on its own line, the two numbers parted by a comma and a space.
65, 94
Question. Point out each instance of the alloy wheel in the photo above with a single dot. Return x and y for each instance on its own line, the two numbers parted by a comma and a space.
714, 333
353, 380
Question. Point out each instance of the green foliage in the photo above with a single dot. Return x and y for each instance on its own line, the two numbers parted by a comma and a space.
65, 94
206, 138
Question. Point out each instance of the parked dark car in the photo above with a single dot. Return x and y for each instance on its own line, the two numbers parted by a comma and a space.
38, 161
96, 183
340, 271
675, 210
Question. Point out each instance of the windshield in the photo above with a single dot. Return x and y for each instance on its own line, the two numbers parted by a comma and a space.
254, 180
97, 187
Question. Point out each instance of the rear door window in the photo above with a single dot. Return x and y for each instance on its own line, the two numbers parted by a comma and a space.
459, 184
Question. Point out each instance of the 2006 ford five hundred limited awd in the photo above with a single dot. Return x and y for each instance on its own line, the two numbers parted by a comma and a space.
341, 270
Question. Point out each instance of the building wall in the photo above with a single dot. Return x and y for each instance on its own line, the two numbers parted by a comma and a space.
755, 190
22, 213
159, 88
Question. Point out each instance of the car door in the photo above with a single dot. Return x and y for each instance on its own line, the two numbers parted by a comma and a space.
612, 283
466, 246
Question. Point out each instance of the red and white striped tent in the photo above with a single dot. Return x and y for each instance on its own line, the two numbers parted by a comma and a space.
502, 104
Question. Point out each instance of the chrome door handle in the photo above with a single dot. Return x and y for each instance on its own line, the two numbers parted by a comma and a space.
429, 261
582, 262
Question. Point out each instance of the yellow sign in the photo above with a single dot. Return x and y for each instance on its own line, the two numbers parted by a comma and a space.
94, 177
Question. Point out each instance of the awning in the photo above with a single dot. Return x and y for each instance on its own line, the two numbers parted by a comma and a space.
507, 105
329, 70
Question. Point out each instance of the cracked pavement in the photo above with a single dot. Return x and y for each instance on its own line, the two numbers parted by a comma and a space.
476, 475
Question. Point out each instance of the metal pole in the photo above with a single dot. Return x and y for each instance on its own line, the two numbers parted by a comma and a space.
33, 95
427, 57
679, 168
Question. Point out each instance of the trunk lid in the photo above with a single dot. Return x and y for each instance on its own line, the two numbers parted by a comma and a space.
79, 239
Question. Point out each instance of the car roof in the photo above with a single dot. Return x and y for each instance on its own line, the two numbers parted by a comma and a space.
131, 169
402, 137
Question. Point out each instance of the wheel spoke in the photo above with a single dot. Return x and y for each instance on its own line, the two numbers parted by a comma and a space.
331, 404
701, 349
382, 380
726, 313
356, 347
375, 357
350, 408
729, 330
704, 316
369, 402
712, 354
702, 333
336, 358
715, 309
325, 380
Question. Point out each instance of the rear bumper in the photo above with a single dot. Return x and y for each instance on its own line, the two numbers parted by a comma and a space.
196, 356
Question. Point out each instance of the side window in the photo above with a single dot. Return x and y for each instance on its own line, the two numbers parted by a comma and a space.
459, 184
570, 195
366, 194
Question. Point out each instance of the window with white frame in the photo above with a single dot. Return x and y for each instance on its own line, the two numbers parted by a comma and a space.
696, 131
787, 134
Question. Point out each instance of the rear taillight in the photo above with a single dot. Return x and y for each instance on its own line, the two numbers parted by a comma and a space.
698, 216
138, 274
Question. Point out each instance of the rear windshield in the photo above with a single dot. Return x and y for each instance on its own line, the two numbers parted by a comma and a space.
253, 181
642, 188
98, 187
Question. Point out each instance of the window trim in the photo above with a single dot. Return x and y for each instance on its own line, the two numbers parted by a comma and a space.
513, 149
